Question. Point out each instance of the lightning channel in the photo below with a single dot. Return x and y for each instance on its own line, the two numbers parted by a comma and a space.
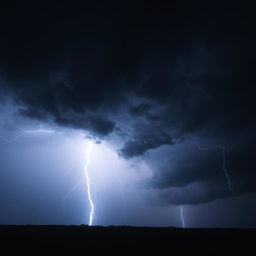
225, 171
182, 217
88, 181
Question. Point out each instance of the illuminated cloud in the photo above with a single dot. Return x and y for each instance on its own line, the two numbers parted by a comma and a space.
145, 79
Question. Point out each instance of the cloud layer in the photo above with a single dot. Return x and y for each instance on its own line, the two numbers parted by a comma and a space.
158, 74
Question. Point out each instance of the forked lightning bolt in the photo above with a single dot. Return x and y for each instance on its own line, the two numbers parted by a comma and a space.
88, 181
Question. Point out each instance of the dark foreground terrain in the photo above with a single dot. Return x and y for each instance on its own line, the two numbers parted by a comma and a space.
123, 240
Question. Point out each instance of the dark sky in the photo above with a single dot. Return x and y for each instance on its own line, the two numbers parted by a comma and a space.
171, 86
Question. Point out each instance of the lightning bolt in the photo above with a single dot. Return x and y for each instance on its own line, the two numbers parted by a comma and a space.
182, 217
225, 171
223, 151
88, 181
88, 152
228, 181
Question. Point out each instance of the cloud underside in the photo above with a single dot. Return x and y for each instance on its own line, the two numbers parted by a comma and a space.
153, 78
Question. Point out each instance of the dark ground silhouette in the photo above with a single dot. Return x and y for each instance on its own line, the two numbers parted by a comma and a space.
125, 239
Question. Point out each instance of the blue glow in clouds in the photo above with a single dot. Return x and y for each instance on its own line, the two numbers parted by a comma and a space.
107, 187
87, 161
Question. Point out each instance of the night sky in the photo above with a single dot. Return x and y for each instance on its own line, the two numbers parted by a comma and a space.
166, 93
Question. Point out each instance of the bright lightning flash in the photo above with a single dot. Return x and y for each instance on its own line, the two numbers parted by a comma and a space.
88, 154
106, 155
88, 181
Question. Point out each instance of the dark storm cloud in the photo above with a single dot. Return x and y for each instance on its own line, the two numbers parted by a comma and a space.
143, 110
140, 110
187, 174
146, 141
193, 66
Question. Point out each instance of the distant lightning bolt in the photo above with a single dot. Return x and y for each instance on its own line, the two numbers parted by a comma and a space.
223, 150
182, 217
225, 170
88, 181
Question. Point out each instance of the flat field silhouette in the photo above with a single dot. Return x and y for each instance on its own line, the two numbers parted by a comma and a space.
127, 239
